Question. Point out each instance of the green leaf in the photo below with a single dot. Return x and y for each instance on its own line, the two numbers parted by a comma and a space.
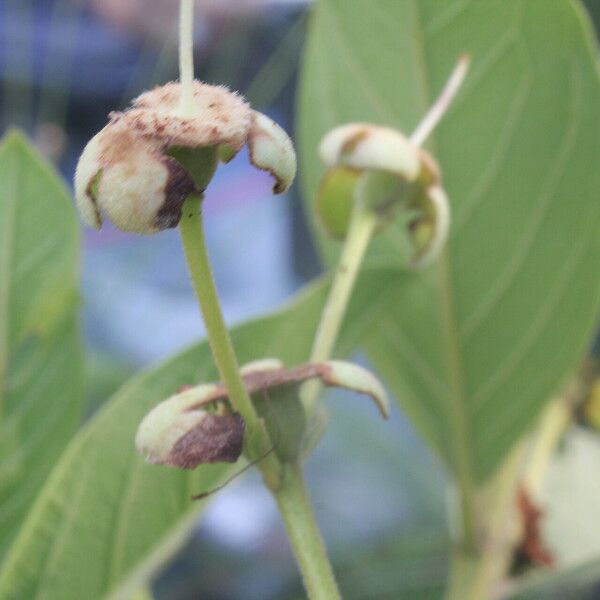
39, 245
41, 384
474, 346
106, 520
576, 583
410, 564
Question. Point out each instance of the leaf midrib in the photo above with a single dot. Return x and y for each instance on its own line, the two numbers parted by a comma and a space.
460, 439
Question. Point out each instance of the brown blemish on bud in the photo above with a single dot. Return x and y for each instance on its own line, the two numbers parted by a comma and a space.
90, 192
217, 438
349, 146
178, 187
116, 143
184, 388
219, 116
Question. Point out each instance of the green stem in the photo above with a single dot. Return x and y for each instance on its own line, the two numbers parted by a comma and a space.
307, 543
473, 576
554, 422
192, 237
362, 226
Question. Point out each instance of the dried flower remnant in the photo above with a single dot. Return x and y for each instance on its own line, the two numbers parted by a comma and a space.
142, 166
183, 432
270, 374
531, 550
196, 426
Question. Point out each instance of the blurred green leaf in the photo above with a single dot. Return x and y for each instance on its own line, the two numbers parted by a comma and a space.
104, 374
577, 583
474, 346
106, 520
41, 381
39, 245
410, 566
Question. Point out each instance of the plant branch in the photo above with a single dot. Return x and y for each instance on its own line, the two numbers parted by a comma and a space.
553, 424
473, 576
192, 237
362, 226
307, 543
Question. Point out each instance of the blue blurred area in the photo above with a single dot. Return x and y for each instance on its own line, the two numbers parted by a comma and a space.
139, 302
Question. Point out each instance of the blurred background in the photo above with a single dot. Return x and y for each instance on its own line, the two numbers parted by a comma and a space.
378, 492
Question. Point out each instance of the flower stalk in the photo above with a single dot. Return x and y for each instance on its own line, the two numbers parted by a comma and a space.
257, 443
297, 514
186, 56
362, 226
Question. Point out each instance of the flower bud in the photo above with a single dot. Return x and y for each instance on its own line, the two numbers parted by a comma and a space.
382, 169
141, 167
180, 433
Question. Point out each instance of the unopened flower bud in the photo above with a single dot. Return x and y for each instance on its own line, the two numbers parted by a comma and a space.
181, 433
385, 171
142, 166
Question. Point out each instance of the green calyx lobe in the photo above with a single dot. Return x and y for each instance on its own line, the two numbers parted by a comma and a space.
199, 163
385, 194
335, 200
380, 192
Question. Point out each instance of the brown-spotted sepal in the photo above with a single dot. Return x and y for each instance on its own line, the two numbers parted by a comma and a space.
275, 390
140, 168
190, 428
268, 375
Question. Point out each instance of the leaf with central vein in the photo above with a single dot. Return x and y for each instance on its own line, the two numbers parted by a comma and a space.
475, 345
41, 386
102, 500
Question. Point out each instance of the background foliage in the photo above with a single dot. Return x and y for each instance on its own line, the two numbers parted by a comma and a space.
474, 347
471, 348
